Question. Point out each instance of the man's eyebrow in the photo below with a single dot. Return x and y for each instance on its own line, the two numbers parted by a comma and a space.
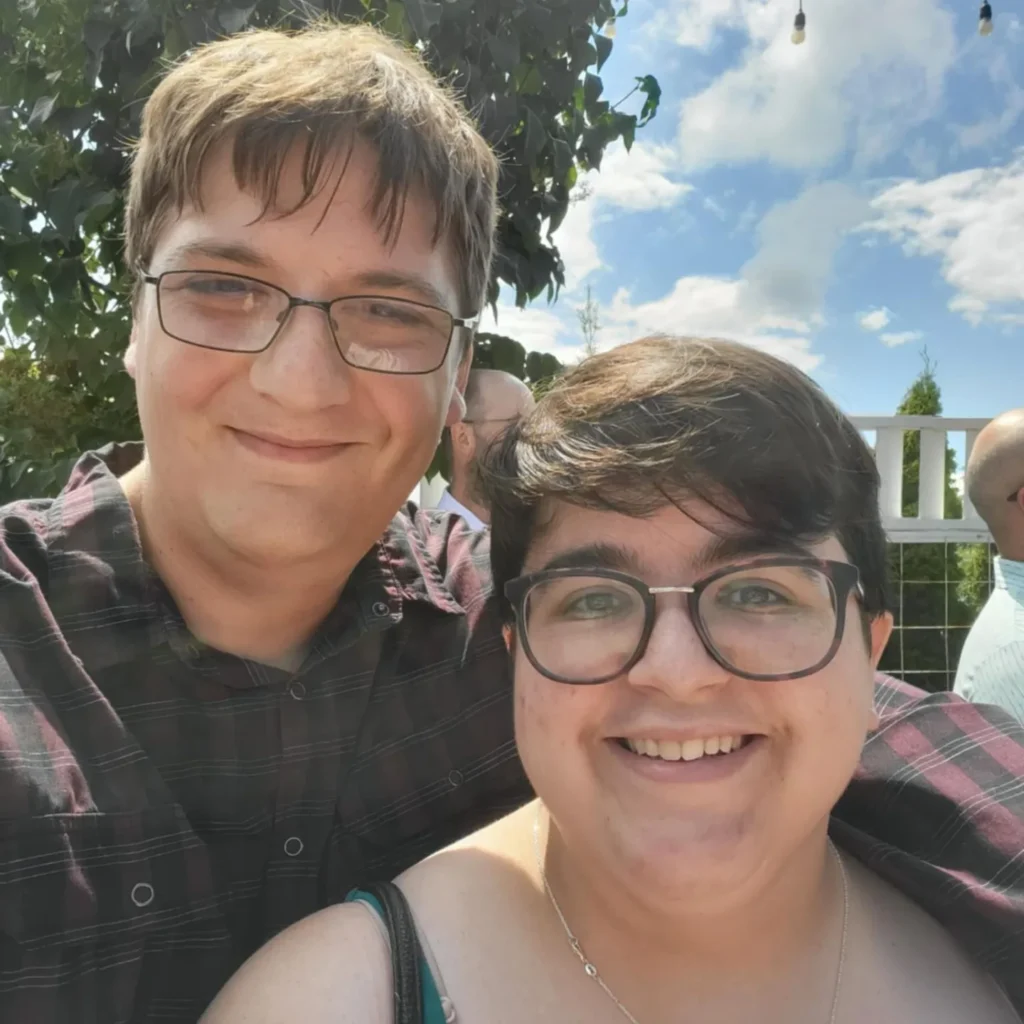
396, 279
246, 255
742, 545
594, 556
231, 252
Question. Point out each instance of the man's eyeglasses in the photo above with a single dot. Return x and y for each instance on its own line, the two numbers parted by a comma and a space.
236, 313
774, 619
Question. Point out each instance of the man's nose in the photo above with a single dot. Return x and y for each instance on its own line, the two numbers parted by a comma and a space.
303, 368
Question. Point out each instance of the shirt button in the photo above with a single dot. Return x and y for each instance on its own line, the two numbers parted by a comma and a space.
293, 846
455, 777
142, 894
297, 691
380, 609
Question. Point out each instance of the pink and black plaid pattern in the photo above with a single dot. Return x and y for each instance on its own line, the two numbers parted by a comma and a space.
165, 808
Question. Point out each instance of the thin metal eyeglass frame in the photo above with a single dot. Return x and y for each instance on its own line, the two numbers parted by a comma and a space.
466, 323
843, 578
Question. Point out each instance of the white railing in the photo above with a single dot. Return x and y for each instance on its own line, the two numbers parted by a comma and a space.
930, 525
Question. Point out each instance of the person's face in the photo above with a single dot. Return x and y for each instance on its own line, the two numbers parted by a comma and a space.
708, 825
502, 405
290, 453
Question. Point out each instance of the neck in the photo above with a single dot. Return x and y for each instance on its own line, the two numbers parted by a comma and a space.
778, 941
463, 494
259, 610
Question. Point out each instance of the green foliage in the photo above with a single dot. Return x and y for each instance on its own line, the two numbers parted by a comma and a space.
939, 584
74, 75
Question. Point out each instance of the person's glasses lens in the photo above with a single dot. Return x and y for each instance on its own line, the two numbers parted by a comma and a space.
583, 628
391, 335
770, 620
222, 311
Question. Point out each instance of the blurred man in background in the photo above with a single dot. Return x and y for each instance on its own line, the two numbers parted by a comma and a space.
494, 401
991, 668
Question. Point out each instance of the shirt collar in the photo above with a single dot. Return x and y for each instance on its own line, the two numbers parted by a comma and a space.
449, 503
1008, 575
92, 532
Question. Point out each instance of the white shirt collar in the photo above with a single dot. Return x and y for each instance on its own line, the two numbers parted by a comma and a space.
450, 504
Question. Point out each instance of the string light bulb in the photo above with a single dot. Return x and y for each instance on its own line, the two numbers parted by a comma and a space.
985, 19
799, 26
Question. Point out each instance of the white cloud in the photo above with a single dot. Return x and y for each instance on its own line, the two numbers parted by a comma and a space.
537, 328
973, 222
896, 338
792, 269
640, 179
875, 319
774, 303
710, 307
994, 127
576, 244
862, 79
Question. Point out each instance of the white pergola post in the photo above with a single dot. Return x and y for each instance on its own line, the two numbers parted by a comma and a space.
889, 458
931, 501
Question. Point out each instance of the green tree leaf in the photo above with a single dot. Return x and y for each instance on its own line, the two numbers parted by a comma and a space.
41, 111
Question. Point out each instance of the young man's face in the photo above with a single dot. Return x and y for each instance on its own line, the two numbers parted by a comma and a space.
292, 454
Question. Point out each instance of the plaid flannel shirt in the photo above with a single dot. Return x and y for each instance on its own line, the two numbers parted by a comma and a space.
166, 808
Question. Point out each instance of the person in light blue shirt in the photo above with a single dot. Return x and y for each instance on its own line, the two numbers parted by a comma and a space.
991, 668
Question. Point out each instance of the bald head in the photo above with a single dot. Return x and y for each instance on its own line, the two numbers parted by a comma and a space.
494, 401
493, 395
995, 471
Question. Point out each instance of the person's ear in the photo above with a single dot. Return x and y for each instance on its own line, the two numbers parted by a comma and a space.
457, 402
463, 441
131, 355
879, 631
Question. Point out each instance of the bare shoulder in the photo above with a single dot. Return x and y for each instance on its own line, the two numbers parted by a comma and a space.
490, 860
333, 967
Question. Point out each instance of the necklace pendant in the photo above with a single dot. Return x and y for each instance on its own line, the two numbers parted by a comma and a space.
590, 969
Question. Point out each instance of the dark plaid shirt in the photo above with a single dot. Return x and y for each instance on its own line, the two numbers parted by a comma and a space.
166, 808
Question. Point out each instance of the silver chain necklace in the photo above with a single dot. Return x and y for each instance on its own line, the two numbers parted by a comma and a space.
592, 972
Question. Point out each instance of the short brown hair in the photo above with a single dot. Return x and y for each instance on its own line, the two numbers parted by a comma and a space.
665, 419
321, 88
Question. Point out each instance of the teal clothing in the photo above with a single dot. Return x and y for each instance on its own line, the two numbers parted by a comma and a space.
991, 668
433, 1009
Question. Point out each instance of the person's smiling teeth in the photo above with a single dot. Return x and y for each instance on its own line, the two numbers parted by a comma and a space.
687, 750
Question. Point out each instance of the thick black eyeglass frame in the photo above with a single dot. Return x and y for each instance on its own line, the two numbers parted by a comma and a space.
466, 323
843, 577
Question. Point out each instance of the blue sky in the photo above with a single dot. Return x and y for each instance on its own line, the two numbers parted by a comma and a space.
843, 203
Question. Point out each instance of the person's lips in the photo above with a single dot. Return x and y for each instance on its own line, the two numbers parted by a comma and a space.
288, 449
